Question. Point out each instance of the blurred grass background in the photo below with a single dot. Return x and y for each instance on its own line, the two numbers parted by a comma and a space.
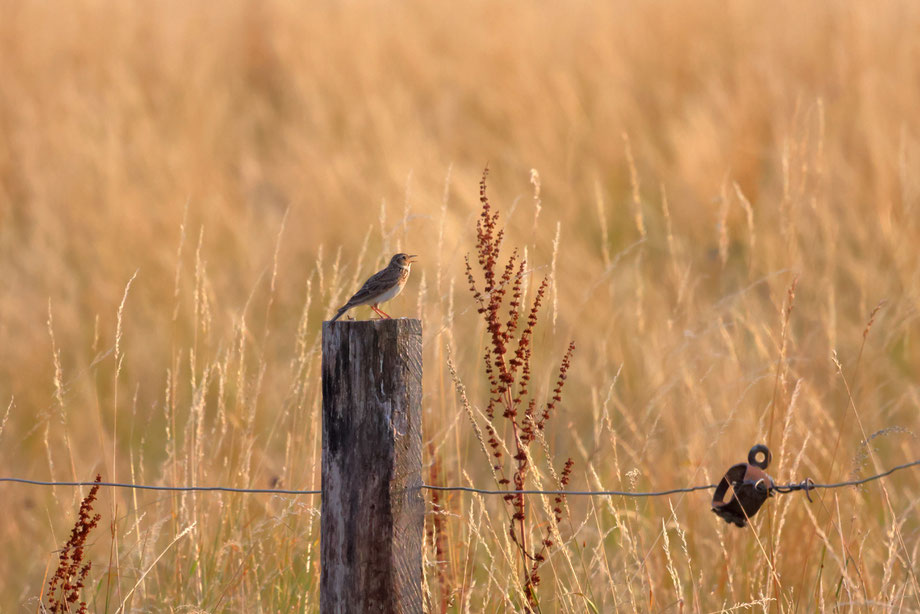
253, 162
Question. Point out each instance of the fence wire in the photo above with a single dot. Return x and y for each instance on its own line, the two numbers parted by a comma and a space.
803, 485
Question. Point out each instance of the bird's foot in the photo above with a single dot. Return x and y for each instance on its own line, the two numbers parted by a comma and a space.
381, 313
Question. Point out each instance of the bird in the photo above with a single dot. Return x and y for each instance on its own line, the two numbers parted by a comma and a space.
382, 286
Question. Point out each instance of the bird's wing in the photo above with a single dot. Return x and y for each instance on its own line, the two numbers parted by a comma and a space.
370, 288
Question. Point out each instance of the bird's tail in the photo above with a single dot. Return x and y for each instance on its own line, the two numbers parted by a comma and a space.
339, 314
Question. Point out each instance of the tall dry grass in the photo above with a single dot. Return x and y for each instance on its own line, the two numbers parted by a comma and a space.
245, 165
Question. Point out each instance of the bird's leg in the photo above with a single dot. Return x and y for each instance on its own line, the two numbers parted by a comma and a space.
380, 313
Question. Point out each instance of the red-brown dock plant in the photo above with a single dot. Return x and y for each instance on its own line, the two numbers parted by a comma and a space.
70, 577
507, 361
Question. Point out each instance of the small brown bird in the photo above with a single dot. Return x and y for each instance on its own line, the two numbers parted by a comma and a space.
382, 286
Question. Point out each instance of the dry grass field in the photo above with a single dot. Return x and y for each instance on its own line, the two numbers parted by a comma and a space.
720, 193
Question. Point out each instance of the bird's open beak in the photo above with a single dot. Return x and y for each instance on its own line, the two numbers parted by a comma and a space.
412, 258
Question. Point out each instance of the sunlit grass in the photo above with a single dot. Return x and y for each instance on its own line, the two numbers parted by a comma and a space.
247, 165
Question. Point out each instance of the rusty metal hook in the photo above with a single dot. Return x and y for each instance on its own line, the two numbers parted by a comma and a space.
751, 487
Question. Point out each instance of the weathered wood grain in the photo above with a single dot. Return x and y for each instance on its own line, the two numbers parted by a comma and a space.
372, 506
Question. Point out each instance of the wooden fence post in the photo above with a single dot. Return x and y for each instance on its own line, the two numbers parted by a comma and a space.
372, 506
